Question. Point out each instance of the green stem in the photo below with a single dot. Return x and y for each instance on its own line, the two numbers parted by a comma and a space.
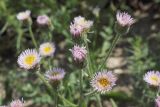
90, 93
88, 55
51, 89
45, 82
110, 51
4, 28
50, 63
32, 36
158, 92
19, 38
50, 36
99, 100
81, 87
56, 97
66, 101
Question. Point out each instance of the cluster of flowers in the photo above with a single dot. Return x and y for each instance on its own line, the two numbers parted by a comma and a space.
42, 20
30, 58
77, 28
104, 80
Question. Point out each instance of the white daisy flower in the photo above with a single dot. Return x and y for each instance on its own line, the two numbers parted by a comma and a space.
81, 21
24, 15
152, 78
47, 49
28, 59
80, 25
103, 81
55, 74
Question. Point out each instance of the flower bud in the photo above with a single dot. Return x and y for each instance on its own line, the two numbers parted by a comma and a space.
124, 21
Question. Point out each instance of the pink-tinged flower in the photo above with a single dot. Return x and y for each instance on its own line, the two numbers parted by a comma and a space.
28, 59
80, 25
55, 74
75, 30
16, 103
24, 15
103, 81
79, 53
157, 101
124, 19
43, 20
152, 78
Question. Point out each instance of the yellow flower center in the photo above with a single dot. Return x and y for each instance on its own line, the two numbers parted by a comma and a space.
103, 82
29, 60
47, 49
154, 78
55, 73
81, 22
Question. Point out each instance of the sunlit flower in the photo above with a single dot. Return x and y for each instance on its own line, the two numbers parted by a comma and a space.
79, 53
24, 15
157, 100
16, 103
43, 20
124, 19
75, 30
47, 49
55, 74
103, 81
80, 25
152, 78
28, 59
81, 21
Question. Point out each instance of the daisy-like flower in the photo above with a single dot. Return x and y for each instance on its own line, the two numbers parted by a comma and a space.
152, 78
103, 81
75, 30
43, 20
124, 19
28, 59
80, 25
79, 53
16, 103
81, 21
157, 101
55, 74
24, 15
47, 49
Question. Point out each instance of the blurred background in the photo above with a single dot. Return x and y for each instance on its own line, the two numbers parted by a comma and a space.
136, 53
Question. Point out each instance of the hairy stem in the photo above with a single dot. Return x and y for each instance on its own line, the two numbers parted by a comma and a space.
31, 34
56, 97
51, 90
81, 88
89, 67
99, 100
45, 82
110, 51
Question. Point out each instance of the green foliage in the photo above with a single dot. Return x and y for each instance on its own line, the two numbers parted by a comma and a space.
15, 37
